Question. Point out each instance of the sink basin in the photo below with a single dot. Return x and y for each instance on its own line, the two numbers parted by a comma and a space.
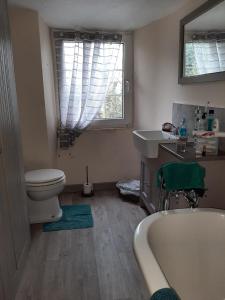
147, 141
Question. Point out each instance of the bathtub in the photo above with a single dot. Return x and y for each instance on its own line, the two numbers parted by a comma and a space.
183, 249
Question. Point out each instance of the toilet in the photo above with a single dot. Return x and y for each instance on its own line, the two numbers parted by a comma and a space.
43, 187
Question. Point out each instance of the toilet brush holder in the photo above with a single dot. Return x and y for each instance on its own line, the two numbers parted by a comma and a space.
88, 190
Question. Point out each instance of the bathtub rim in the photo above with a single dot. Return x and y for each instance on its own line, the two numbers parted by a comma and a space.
144, 253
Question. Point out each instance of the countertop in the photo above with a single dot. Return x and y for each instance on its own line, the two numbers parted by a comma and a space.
190, 154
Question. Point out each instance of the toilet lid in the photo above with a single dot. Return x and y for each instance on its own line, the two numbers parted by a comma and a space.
43, 176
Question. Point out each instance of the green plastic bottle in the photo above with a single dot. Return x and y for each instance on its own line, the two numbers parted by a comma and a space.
210, 120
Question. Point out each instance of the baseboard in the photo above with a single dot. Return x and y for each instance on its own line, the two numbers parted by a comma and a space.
72, 188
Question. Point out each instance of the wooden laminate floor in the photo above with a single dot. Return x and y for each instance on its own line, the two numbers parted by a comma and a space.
87, 264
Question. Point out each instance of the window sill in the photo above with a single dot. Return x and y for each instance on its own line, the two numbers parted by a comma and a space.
104, 128
111, 124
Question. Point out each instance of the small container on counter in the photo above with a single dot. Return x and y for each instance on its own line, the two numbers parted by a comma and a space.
207, 146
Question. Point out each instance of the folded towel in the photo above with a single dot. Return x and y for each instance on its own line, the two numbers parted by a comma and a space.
181, 176
165, 294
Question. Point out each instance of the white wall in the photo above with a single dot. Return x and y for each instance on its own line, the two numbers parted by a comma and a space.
49, 89
110, 155
156, 49
35, 90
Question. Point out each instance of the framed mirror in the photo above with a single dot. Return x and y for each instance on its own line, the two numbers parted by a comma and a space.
202, 44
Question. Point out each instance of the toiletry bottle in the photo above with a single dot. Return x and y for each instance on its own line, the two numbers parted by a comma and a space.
182, 141
216, 125
207, 108
202, 122
204, 150
198, 115
206, 114
183, 129
210, 120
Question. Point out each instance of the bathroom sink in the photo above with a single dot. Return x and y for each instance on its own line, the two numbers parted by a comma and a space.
147, 141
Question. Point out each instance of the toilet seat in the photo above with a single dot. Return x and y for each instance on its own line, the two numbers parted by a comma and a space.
45, 183
44, 177
45, 187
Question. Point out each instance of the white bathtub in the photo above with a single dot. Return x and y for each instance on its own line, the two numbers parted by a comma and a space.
183, 249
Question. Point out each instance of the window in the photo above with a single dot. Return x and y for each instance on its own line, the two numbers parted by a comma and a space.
116, 109
113, 107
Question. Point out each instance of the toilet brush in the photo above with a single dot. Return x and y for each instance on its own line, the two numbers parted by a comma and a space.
87, 187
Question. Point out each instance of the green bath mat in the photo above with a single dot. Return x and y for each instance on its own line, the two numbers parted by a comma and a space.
74, 217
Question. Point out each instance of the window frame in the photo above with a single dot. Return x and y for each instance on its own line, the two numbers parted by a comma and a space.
127, 40
127, 120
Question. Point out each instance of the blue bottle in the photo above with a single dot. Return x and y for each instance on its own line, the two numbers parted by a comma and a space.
182, 141
183, 129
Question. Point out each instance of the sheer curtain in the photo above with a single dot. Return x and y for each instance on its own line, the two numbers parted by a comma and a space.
209, 56
85, 65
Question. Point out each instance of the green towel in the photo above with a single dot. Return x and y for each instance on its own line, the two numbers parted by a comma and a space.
181, 176
165, 294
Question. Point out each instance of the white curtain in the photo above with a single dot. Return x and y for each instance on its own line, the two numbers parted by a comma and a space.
85, 72
209, 56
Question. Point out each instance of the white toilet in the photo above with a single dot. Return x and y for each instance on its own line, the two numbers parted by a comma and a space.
43, 187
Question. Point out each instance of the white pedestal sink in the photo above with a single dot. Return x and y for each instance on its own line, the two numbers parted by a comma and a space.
147, 141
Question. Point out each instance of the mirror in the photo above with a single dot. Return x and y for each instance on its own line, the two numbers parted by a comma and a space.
202, 44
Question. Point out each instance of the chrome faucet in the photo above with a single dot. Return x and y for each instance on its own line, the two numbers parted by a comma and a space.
190, 196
